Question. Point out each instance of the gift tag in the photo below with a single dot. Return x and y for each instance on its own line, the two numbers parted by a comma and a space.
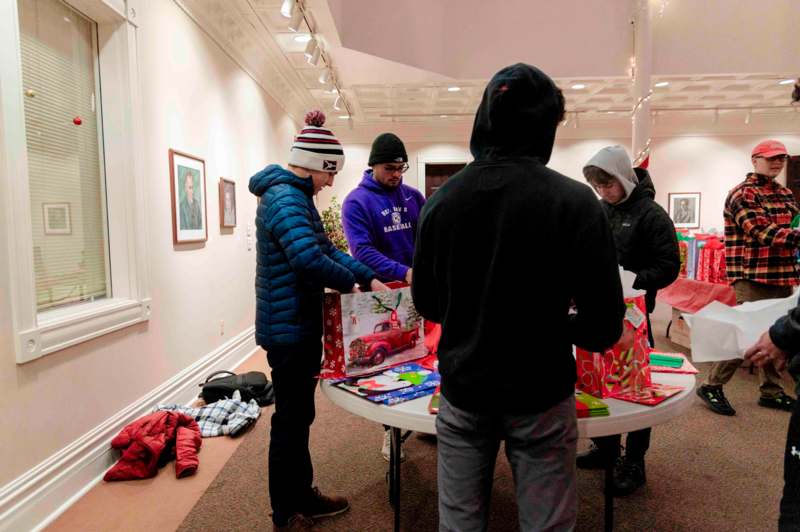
634, 316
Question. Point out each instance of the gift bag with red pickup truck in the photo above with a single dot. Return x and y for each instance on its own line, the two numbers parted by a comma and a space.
369, 331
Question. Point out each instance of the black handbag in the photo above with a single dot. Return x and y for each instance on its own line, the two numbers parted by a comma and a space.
251, 385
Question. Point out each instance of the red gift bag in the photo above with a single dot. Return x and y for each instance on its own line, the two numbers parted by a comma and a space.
369, 331
615, 370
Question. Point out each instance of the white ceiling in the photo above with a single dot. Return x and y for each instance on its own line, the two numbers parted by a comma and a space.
395, 60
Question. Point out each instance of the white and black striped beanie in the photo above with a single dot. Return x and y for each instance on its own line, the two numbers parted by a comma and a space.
315, 147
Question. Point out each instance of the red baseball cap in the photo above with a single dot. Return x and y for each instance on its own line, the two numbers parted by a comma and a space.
769, 148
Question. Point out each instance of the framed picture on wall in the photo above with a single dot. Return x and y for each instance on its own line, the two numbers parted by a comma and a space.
56, 219
227, 203
684, 209
187, 183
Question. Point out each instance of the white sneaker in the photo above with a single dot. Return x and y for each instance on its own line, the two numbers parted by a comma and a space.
386, 449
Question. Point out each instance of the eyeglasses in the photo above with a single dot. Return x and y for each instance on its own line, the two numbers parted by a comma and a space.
393, 168
779, 158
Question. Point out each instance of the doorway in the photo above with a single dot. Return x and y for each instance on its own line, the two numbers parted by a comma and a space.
436, 174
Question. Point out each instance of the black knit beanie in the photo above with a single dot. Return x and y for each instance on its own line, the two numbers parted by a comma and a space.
387, 148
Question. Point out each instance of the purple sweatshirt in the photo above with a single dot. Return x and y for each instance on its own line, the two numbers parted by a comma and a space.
380, 224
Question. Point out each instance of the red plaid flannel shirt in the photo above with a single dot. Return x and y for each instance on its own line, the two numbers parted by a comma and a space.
759, 243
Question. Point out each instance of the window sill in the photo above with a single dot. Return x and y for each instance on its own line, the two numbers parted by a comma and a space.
62, 328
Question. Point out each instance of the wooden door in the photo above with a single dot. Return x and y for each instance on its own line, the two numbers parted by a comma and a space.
436, 174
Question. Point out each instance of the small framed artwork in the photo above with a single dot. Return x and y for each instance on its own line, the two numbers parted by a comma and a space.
684, 209
187, 183
227, 203
57, 219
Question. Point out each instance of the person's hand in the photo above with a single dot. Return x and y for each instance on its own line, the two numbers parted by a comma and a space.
764, 351
627, 338
377, 286
355, 289
408, 276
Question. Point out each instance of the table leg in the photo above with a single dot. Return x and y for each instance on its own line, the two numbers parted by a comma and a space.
609, 494
394, 475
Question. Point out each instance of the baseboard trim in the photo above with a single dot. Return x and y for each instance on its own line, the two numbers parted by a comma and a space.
35, 499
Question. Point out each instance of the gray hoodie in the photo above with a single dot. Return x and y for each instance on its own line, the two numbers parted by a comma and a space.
615, 161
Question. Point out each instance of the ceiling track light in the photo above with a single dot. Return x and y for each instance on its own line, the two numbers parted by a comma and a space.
747, 117
336, 102
311, 47
288, 7
314, 59
296, 20
325, 77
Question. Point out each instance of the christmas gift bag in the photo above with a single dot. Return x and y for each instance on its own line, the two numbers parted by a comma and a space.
370, 331
618, 370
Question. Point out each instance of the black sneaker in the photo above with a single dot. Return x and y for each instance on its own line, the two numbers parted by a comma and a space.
715, 399
324, 506
628, 476
592, 459
779, 402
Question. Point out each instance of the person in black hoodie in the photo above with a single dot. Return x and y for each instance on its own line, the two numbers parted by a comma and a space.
503, 250
647, 246
778, 346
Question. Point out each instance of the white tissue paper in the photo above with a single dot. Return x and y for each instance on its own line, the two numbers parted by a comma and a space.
720, 332
627, 279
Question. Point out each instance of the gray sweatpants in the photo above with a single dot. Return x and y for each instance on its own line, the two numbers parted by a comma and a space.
541, 451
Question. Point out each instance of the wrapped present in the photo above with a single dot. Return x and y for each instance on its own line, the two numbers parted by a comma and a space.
651, 395
618, 370
711, 262
683, 250
369, 331
589, 406
687, 247
394, 385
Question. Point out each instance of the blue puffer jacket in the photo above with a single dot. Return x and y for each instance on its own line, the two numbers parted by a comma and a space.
296, 261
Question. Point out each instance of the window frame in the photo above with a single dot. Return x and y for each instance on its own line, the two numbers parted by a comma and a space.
37, 334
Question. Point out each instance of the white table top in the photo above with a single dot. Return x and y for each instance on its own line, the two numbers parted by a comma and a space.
624, 416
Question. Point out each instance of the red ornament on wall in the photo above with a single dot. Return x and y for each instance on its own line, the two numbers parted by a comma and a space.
77, 121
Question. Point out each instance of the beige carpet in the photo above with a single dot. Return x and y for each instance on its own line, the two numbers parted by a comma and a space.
705, 472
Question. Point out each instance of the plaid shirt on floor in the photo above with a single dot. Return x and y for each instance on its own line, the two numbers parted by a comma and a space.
227, 416
759, 243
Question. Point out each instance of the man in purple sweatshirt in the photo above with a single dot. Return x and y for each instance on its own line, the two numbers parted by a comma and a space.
380, 218
380, 215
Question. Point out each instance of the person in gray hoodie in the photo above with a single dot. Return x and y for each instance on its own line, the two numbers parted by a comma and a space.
647, 246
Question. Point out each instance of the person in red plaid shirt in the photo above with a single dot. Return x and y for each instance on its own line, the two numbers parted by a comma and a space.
761, 259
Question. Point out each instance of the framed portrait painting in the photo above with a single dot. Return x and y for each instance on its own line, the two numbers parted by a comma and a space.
684, 209
187, 180
56, 219
227, 203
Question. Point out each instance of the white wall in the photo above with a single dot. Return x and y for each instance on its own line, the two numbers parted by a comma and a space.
708, 164
568, 158
195, 99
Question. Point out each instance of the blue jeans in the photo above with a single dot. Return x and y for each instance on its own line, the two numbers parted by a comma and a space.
541, 450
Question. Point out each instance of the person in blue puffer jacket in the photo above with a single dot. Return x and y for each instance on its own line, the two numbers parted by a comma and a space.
295, 262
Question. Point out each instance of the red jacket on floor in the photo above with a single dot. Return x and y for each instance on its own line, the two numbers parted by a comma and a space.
152, 441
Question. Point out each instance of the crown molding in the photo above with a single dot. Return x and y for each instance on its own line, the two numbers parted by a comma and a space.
233, 26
